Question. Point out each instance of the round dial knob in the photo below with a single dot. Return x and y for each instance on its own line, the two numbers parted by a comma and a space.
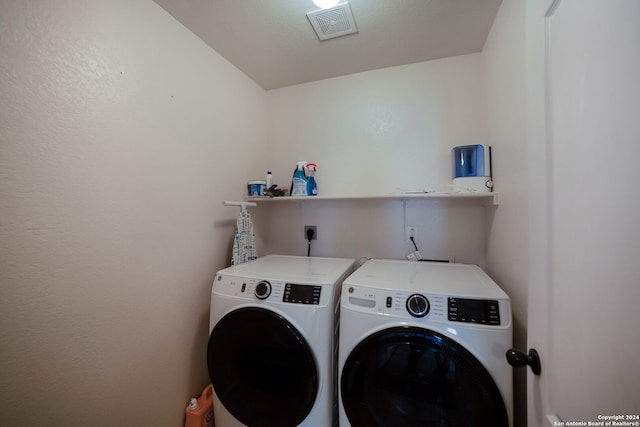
263, 290
418, 305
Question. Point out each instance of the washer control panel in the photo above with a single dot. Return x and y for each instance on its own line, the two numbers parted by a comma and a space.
420, 306
484, 312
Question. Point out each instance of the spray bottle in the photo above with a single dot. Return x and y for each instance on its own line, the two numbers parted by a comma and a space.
299, 182
312, 186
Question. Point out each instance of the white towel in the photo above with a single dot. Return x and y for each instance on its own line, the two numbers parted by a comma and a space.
244, 243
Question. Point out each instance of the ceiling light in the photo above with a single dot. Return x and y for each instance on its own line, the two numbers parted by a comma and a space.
326, 4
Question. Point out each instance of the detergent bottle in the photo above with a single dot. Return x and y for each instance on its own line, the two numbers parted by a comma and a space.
299, 182
199, 412
312, 186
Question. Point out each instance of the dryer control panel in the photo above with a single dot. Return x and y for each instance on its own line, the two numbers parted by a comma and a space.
272, 291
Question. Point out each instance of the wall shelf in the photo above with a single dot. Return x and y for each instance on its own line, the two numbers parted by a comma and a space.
490, 199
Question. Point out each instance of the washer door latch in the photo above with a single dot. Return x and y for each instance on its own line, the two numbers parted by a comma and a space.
518, 359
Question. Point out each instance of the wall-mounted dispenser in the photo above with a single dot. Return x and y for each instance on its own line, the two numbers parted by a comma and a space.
472, 168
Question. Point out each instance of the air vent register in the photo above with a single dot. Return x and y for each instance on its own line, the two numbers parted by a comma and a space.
334, 22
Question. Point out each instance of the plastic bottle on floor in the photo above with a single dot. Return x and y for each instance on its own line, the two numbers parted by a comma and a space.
199, 412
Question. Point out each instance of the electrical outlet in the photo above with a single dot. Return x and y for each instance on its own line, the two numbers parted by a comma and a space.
409, 232
315, 232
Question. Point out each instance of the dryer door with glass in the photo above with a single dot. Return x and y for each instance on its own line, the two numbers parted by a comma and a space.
262, 368
409, 376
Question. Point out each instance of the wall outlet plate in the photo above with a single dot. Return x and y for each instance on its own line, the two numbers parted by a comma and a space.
409, 232
315, 232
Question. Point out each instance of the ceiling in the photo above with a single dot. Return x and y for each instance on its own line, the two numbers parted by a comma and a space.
273, 42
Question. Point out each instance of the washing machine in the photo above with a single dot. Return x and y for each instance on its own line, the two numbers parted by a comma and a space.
272, 354
423, 344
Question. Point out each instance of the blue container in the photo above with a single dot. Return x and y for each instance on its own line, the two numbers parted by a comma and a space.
471, 160
256, 188
472, 168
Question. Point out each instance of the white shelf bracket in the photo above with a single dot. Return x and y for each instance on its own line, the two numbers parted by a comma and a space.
242, 205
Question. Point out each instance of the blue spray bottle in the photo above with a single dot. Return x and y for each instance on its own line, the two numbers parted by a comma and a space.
299, 182
312, 186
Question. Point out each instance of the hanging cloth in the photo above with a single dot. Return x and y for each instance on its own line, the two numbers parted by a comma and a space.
244, 243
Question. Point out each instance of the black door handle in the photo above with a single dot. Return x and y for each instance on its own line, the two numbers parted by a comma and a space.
518, 359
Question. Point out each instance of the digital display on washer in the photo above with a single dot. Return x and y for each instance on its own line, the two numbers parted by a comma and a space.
301, 294
486, 312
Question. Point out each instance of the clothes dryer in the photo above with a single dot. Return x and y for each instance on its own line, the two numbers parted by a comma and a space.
423, 344
273, 334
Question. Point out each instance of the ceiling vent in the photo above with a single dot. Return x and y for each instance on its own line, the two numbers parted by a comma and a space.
335, 22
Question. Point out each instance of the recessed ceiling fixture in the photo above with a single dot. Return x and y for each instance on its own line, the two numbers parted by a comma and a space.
334, 22
326, 4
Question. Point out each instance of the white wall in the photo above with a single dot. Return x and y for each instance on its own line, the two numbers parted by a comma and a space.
447, 230
380, 131
508, 240
121, 134
377, 132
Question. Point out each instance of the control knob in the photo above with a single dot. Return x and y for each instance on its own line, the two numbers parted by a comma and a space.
418, 305
263, 290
